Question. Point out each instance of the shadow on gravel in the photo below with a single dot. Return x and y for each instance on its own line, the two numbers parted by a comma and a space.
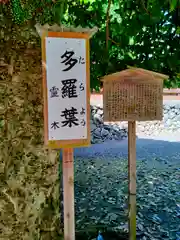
164, 152
145, 149
107, 235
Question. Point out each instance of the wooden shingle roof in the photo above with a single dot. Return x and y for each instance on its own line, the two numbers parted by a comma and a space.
135, 74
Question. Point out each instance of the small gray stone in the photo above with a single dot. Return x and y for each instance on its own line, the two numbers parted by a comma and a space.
168, 123
125, 134
165, 117
155, 132
107, 127
100, 112
93, 107
97, 140
141, 129
92, 139
116, 129
112, 216
98, 118
97, 132
171, 115
151, 127
104, 132
167, 107
177, 118
92, 126
176, 111
93, 112
118, 137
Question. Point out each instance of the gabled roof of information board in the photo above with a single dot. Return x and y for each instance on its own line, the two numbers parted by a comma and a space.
135, 74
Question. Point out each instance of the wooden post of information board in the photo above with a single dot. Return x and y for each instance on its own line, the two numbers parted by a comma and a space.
125, 98
132, 178
68, 186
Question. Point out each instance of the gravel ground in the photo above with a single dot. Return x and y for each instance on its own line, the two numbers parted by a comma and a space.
101, 186
164, 146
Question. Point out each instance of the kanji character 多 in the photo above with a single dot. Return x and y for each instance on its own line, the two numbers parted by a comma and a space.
69, 61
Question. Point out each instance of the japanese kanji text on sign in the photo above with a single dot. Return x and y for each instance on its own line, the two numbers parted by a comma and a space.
66, 78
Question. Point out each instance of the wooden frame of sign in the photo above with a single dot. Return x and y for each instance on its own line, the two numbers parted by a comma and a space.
68, 143
71, 143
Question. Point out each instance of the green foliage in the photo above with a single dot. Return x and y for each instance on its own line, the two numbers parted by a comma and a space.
139, 32
173, 4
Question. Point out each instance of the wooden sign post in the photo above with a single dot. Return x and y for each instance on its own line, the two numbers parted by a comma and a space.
132, 95
66, 105
132, 178
68, 186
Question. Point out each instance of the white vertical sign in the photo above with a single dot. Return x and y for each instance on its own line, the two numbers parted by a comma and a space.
66, 88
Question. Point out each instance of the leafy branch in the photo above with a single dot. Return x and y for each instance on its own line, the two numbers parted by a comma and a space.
107, 24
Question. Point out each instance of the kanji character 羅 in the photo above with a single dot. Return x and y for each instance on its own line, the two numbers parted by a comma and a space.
69, 88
